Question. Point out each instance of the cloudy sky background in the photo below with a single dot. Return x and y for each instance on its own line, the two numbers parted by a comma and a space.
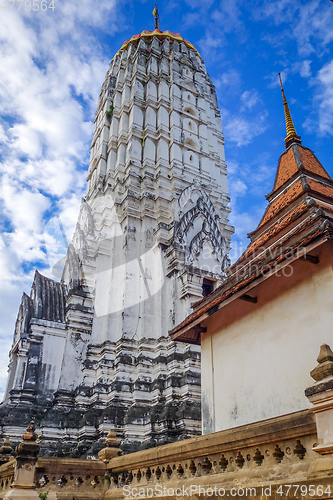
53, 63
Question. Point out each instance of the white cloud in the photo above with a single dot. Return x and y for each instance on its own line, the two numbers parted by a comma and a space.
237, 188
281, 12
308, 23
232, 167
52, 67
228, 15
23, 206
13, 282
229, 78
313, 26
325, 98
42, 73
250, 98
241, 130
305, 68
248, 183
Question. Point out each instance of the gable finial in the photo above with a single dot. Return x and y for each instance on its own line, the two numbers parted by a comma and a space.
291, 131
156, 16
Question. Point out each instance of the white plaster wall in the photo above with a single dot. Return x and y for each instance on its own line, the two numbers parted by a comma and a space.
191, 159
223, 180
121, 155
258, 366
175, 119
138, 89
190, 142
188, 98
120, 78
149, 149
162, 150
112, 158
151, 117
153, 66
123, 124
176, 153
114, 128
190, 110
163, 118
203, 134
190, 126
151, 89
126, 95
136, 117
53, 350
117, 99
164, 90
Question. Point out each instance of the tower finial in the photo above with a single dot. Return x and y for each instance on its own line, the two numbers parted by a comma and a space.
156, 16
291, 131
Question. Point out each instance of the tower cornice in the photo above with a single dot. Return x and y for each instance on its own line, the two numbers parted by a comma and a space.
161, 35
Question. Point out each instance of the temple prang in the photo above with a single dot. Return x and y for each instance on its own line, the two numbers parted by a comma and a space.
152, 237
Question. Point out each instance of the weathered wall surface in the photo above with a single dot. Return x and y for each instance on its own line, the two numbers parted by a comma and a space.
258, 356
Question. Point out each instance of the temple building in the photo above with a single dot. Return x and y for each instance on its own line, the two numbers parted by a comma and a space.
93, 350
260, 331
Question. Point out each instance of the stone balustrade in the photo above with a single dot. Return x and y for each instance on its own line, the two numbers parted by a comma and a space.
6, 477
255, 454
262, 455
82, 478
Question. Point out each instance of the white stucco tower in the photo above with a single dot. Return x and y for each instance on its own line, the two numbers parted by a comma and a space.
151, 239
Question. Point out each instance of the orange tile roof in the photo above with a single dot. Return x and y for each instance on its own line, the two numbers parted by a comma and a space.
287, 168
318, 187
325, 207
275, 229
311, 163
295, 161
287, 197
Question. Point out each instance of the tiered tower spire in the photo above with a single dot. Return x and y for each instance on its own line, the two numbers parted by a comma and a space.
152, 237
291, 131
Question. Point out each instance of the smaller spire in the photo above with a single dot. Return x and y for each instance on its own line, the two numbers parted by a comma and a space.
156, 16
291, 131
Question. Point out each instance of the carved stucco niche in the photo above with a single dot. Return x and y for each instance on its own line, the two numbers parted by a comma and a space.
198, 232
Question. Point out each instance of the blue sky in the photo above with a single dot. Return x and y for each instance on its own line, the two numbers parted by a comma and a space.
53, 63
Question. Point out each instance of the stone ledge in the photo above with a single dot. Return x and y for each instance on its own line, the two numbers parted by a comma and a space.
289, 426
319, 387
73, 465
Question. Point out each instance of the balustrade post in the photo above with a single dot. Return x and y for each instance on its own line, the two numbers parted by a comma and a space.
112, 448
23, 486
5, 451
320, 394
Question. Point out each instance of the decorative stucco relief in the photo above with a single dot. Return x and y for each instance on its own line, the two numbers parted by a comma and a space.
194, 202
